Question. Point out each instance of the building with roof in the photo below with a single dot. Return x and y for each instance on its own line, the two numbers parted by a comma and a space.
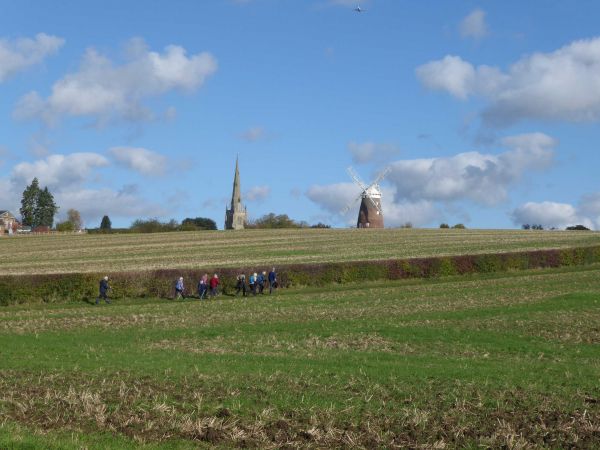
8, 222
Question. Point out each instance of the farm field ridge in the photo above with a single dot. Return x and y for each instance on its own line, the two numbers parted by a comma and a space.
263, 248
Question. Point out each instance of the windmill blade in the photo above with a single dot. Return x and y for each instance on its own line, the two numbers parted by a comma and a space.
381, 175
349, 205
354, 176
377, 207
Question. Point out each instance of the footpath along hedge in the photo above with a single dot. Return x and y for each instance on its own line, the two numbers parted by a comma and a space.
160, 283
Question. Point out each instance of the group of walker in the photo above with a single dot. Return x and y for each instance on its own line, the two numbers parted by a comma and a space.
205, 287
257, 284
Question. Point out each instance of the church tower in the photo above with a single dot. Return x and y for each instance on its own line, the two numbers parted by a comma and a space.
235, 218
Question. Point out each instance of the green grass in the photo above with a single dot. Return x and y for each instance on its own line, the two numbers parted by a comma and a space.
509, 360
263, 248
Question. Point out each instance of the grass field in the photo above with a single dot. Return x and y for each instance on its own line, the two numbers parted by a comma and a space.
251, 248
508, 360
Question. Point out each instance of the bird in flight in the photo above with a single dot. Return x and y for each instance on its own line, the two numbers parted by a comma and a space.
358, 9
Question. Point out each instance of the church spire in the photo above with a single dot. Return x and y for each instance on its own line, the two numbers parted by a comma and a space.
236, 197
235, 218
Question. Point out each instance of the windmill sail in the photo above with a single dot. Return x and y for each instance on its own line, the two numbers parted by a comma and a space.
370, 213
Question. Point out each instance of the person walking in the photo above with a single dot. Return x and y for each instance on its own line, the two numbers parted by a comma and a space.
103, 290
203, 286
272, 280
179, 289
214, 285
240, 285
261, 282
252, 283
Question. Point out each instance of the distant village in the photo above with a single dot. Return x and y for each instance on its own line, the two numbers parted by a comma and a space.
38, 210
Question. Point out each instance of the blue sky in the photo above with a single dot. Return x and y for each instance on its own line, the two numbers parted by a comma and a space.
486, 112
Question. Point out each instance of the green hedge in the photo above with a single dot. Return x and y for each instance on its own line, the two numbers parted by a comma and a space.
160, 283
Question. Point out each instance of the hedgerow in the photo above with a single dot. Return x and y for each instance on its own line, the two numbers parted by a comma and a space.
49, 288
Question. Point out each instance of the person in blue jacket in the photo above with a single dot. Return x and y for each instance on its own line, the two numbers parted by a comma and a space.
103, 291
272, 280
179, 288
261, 282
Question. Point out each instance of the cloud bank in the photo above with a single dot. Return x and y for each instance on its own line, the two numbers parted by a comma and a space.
563, 85
420, 190
21, 54
560, 215
104, 90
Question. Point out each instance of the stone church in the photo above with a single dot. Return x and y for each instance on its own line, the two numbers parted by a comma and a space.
235, 218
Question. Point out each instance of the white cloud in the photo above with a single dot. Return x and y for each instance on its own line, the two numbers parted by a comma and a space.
483, 178
257, 193
66, 176
420, 190
253, 134
366, 152
140, 159
58, 171
334, 198
474, 25
548, 214
23, 53
590, 206
560, 85
94, 204
105, 91
560, 215
459, 77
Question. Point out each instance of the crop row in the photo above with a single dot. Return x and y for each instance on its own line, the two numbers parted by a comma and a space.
190, 250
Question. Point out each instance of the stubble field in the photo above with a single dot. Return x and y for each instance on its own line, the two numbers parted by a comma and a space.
504, 361
262, 248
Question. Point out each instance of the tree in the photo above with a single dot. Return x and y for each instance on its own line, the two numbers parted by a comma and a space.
578, 228
106, 224
46, 209
272, 220
459, 226
444, 225
37, 206
74, 217
65, 226
198, 223
29, 203
526, 226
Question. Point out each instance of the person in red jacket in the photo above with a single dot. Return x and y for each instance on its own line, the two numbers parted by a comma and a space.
214, 284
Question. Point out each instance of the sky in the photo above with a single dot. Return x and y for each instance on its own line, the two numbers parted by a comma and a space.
485, 112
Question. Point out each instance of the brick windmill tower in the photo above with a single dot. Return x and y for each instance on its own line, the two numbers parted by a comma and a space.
236, 216
370, 214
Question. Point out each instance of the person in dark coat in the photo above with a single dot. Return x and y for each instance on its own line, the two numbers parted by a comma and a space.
203, 286
272, 280
103, 291
241, 285
261, 282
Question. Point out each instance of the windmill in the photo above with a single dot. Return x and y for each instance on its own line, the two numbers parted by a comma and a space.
370, 214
